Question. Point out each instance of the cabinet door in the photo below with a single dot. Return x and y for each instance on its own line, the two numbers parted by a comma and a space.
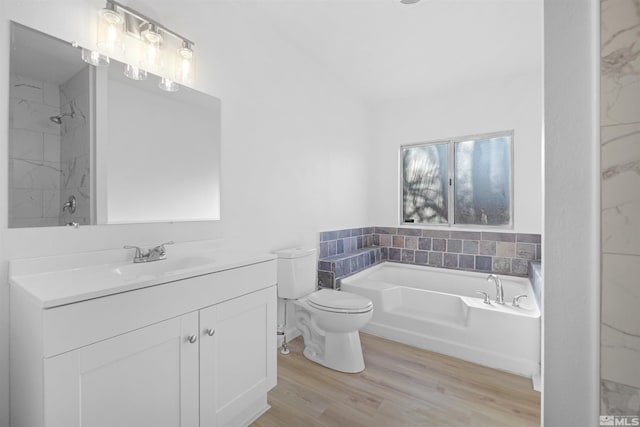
237, 362
147, 377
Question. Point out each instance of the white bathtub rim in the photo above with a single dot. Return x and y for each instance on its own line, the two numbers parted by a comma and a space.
392, 264
471, 302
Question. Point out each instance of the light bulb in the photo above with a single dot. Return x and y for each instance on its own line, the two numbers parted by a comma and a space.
152, 52
152, 38
109, 29
184, 69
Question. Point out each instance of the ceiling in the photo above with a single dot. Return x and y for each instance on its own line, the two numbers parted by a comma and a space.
384, 49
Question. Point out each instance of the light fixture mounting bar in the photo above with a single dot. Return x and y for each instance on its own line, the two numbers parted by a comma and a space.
146, 19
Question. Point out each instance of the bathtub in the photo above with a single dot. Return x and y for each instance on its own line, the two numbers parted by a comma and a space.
439, 310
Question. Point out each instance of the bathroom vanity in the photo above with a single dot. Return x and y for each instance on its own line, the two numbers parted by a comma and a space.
99, 341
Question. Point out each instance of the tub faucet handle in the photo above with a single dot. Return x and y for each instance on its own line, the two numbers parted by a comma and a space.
516, 300
487, 300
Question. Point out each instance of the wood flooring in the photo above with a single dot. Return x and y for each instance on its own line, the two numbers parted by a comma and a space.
401, 386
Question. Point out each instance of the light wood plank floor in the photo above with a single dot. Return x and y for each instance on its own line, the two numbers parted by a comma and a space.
401, 386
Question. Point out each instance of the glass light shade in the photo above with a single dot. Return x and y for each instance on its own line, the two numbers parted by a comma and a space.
168, 85
110, 25
152, 40
185, 65
134, 73
94, 57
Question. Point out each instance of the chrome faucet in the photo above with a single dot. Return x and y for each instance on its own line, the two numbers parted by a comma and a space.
516, 300
154, 254
499, 290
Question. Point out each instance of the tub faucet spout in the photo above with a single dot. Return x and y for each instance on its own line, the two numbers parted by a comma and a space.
499, 290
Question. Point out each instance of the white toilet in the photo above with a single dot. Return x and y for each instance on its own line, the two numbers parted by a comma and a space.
328, 319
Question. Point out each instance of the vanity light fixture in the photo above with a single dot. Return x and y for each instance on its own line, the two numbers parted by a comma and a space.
152, 39
110, 26
147, 46
184, 65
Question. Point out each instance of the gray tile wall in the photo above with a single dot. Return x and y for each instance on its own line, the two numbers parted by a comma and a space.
345, 252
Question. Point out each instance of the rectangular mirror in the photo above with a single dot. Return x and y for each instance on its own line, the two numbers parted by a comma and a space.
88, 145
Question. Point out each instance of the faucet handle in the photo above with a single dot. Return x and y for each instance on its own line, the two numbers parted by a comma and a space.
486, 297
162, 245
138, 250
160, 248
516, 300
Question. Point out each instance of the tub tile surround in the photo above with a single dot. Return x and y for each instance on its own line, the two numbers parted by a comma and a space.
346, 252
620, 207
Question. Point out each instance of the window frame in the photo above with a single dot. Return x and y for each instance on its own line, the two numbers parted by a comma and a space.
451, 142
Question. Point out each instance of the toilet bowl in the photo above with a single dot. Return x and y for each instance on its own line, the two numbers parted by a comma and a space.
329, 320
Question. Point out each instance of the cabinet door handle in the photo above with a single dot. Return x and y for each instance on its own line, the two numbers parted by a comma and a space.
211, 332
192, 339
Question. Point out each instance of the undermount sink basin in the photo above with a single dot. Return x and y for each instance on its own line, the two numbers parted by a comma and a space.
162, 267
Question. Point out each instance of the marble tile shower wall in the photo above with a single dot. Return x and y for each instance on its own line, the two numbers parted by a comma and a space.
345, 252
48, 162
620, 180
34, 153
75, 160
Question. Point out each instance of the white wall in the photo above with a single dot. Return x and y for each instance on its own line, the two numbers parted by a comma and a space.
571, 238
473, 108
293, 143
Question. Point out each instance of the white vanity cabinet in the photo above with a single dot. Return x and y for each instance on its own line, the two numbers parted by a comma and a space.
200, 351
238, 362
146, 377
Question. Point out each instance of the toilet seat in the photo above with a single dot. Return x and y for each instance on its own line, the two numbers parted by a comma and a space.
339, 302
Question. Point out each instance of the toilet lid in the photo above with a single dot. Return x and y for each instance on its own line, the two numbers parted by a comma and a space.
328, 299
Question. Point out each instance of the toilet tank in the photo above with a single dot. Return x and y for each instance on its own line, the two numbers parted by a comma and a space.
296, 272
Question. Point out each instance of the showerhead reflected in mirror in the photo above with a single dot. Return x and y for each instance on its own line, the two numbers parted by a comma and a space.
125, 150
58, 119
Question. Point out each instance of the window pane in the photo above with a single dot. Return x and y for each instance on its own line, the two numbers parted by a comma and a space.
482, 187
425, 190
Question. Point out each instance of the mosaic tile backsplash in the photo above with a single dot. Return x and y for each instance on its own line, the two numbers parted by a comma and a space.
345, 252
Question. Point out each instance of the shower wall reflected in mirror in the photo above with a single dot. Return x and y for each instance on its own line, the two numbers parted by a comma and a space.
50, 138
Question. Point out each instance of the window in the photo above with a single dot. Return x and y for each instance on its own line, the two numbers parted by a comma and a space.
461, 181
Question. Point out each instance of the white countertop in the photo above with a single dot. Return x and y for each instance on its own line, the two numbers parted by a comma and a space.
66, 279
